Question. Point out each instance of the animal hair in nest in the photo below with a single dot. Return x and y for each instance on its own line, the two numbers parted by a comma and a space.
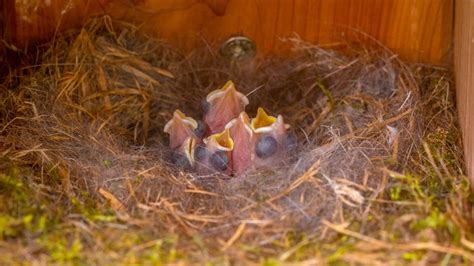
95, 108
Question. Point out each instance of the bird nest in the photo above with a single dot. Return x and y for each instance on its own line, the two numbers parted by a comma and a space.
88, 123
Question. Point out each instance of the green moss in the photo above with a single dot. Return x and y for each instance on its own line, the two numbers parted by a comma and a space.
340, 246
24, 212
395, 193
327, 93
413, 256
107, 163
271, 262
61, 249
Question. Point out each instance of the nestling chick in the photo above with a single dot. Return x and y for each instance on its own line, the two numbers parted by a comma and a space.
272, 141
234, 143
183, 156
242, 135
215, 154
182, 130
180, 127
223, 105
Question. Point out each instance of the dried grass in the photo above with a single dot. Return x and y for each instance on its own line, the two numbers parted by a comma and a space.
89, 118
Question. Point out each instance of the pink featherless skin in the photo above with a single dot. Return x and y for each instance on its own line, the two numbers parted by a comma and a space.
242, 135
223, 105
180, 127
183, 139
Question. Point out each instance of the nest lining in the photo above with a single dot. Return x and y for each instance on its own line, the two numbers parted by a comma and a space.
94, 111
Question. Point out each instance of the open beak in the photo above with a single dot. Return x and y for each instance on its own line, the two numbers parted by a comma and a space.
180, 127
220, 141
263, 122
267, 124
223, 105
270, 136
219, 149
183, 157
188, 149
242, 134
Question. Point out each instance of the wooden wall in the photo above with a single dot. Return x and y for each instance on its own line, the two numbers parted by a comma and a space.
419, 30
464, 75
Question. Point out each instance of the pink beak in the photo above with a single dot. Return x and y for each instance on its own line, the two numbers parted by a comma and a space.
180, 127
242, 134
225, 104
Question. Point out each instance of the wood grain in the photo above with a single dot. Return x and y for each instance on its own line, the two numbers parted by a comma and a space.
464, 75
32, 21
418, 30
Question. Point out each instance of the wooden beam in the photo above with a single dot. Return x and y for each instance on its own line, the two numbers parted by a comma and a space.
464, 75
36, 21
418, 30
7, 26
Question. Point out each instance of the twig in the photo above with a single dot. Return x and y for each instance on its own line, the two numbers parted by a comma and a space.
405, 247
234, 237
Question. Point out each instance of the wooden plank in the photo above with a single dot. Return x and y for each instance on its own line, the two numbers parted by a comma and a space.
39, 20
464, 75
418, 30
7, 26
